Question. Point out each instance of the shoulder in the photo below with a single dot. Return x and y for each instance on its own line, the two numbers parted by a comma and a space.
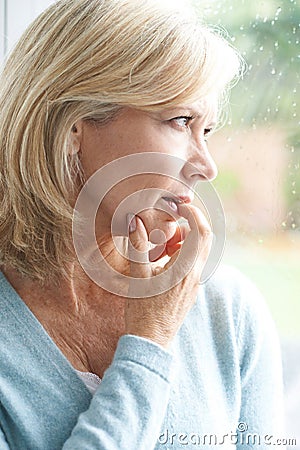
238, 314
228, 280
232, 293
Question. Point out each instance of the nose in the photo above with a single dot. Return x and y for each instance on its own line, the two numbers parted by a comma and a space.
200, 165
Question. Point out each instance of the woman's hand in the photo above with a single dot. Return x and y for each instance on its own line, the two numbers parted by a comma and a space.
160, 316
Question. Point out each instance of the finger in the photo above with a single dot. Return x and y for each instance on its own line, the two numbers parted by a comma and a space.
157, 252
172, 244
160, 251
196, 246
180, 234
138, 248
173, 249
198, 242
196, 219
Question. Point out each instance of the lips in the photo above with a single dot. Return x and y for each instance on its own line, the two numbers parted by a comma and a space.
186, 198
174, 201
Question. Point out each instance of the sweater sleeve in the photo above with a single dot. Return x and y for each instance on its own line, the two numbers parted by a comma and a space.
128, 408
3, 443
262, 410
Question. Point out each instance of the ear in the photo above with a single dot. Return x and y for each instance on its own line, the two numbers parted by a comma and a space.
75, 137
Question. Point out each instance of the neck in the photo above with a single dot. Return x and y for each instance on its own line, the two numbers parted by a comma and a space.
83, 320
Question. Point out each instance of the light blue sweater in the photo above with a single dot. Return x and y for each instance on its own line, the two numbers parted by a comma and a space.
221, 374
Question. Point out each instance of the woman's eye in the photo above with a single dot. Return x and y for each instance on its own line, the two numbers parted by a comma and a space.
182, 121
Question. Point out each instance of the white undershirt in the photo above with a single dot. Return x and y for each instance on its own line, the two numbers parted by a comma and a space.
91, 380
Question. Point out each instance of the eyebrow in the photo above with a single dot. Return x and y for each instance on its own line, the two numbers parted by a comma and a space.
193, 112
212, 124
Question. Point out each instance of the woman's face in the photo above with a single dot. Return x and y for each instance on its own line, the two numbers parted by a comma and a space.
178, 132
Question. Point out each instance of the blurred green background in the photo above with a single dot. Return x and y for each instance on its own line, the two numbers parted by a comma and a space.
258, 151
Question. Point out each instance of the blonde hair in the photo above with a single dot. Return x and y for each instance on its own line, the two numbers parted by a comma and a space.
86, 59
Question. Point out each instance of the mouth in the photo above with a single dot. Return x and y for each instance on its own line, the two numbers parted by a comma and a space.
173, 202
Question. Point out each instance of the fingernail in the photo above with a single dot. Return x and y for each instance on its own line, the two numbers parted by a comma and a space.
131, 222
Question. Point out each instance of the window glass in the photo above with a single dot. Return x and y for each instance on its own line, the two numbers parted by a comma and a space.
258, 155
15, 16
258, 150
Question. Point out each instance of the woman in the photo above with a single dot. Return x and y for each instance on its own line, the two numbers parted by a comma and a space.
92, 82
